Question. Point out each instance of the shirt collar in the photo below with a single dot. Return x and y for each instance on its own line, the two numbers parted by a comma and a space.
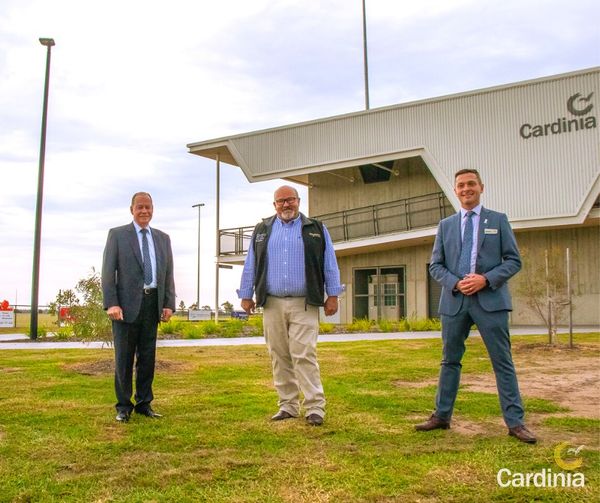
291, 222
476, 210
138, 228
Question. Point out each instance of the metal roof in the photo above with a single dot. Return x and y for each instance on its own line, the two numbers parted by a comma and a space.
536, 144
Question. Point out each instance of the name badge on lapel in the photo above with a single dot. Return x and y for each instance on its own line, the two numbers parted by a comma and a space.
490, 231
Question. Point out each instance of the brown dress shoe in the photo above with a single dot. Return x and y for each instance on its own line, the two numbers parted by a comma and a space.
523, 434
281, 415
433, 423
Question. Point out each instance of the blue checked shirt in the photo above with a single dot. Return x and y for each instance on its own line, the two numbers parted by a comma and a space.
285, 266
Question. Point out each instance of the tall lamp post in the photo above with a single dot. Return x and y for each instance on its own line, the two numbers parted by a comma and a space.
35, 280
199, 206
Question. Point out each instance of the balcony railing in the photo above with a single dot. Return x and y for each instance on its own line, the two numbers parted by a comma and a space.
387, 218
368, 221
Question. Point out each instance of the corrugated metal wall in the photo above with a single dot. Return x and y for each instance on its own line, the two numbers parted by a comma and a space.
533, 178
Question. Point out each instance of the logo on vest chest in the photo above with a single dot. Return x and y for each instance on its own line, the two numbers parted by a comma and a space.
260, 237
314, 235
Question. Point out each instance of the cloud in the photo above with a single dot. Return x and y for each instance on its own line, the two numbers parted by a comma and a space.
133, 82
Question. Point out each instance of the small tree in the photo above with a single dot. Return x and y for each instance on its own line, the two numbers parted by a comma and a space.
542, 284
182, 306
64, 298
90, 321
227, 307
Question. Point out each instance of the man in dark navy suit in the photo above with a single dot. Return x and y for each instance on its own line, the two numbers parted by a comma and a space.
139, 291
474, 255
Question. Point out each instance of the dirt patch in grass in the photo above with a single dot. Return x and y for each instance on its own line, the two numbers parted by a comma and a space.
568, 377
103, 367
7, 370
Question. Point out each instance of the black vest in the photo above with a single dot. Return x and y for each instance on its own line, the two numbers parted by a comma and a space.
314, 258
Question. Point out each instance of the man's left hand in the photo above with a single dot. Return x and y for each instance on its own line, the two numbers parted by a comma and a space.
166, 314
471, 284
331, 305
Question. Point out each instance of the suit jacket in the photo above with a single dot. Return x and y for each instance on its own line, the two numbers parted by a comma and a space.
123, 271
498, 260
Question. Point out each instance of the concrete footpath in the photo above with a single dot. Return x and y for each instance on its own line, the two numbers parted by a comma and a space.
12, 341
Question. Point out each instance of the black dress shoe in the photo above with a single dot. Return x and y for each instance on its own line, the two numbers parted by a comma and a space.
122, 416
148, 412
314, 420
433, 423
281, 415
523, 434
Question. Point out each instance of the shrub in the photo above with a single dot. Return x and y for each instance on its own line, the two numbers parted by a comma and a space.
326, 328
210, 328
361, 325
256, 324
42, 332
172, 326
63, 333
233, 328
192, 331
388, 326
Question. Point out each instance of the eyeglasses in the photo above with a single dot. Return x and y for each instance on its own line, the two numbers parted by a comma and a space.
289, 200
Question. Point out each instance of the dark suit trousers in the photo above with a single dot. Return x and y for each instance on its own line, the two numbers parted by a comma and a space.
493, 327
136, 341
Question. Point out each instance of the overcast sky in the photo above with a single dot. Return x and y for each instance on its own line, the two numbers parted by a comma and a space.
132, 82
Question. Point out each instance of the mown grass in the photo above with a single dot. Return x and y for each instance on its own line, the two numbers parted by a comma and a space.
59, 440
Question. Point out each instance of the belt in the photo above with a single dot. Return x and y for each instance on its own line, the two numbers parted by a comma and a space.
149, 291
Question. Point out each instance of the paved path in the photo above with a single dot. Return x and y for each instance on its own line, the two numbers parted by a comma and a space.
245, 341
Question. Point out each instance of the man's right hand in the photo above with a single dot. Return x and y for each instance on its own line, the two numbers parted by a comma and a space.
115, 313
248, 305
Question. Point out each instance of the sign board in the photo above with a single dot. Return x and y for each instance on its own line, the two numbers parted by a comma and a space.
199, 314
7, 319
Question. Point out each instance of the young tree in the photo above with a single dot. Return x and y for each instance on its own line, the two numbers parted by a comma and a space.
182, 306
90, 322
542, 284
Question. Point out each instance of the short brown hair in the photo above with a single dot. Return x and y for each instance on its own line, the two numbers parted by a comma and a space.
466, 171
140, 194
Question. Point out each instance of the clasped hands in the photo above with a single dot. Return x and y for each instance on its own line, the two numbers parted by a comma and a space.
471, 284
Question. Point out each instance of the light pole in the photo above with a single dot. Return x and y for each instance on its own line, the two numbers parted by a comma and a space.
35, 279
199, 206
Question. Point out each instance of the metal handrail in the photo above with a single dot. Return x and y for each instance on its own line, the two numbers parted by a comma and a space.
367, 221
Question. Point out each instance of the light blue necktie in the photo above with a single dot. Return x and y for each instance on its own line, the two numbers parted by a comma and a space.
146, 258
464, 262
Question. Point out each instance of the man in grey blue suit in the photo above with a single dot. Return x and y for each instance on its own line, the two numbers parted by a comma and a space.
139, 291
474, 255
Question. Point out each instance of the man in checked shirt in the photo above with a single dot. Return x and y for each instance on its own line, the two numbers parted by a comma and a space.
290, 267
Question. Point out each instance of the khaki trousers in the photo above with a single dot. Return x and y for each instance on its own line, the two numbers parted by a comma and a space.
291, 331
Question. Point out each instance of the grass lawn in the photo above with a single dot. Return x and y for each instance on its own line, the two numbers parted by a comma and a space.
59, 440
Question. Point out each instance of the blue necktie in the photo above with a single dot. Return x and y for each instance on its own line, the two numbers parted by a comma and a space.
146, 258
464, 262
